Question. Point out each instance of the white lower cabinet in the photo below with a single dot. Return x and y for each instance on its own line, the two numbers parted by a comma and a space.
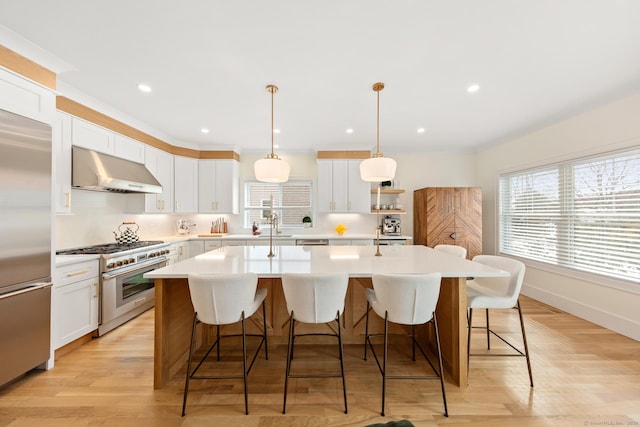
178, 251
75, 301
196, 247
210, 245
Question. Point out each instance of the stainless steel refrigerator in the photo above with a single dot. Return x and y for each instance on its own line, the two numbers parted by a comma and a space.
25, 244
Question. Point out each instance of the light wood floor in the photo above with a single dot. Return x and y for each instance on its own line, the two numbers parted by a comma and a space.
584, 376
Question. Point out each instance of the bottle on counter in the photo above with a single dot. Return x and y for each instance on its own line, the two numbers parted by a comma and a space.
255, 229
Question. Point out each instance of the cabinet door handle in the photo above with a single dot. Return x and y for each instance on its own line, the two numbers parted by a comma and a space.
349, 205
77, 273
67, 203
177, 206
454, 235
95, 285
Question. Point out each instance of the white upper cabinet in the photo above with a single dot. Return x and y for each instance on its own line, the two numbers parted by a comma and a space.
93, 137
340, 188
185, 184
359, 199
129, 149
219, 184
61, 141
160, 164
21, 96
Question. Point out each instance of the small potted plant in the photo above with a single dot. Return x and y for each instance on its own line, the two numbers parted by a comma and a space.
306, 221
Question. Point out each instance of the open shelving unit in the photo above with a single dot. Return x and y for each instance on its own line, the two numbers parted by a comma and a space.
388, 191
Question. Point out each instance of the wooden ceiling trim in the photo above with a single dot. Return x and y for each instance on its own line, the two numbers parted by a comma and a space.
76, 109
27, 68
360, 154
220, 155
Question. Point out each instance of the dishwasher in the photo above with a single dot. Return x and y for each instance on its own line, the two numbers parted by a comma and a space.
312, 242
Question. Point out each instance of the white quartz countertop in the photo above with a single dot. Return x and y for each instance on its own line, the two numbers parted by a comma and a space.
358, 261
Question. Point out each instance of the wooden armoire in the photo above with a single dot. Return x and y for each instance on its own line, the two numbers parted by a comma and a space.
449, 216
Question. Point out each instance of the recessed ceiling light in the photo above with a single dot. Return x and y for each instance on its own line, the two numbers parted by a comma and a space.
349, 130
276, 131
204, 130
144, 88
421, 130
473, 88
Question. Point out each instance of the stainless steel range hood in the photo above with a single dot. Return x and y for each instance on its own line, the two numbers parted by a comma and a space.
92, 170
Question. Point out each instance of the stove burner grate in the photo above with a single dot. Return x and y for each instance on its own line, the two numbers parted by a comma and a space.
108, 248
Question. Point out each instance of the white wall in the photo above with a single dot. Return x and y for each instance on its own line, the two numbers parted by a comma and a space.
609, 127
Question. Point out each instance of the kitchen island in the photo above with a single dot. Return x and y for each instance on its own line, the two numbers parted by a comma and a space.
174, 312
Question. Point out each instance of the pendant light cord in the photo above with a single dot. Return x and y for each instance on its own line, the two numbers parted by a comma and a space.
272, 155
377, 87
378, 127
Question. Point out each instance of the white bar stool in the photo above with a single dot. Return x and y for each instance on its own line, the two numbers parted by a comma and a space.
455, 250
406, 299
314, 298
222, 300
497, 293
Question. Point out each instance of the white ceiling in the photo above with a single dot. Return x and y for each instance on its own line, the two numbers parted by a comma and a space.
208, 62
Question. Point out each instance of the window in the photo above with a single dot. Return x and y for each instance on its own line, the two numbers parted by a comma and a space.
583, 214
291, 202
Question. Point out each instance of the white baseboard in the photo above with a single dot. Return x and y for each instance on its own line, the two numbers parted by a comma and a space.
621, 325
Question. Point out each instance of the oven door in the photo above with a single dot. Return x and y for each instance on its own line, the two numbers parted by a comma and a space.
126, 293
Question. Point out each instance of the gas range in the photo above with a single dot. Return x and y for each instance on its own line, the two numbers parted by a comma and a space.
115, 256
124, 292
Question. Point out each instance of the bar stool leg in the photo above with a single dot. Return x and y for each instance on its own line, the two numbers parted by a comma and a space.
244, 365
444, 394
526, 347
366, 331
488, 330
384, 359
186, 385
264, 330
344, 382
288, 368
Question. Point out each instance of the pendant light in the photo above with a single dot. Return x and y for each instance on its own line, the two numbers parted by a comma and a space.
378, 168
271, 168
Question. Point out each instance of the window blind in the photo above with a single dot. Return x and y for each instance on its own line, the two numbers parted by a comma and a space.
583, 214
291, 202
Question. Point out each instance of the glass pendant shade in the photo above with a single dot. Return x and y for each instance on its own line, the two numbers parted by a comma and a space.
378, 169
271, 170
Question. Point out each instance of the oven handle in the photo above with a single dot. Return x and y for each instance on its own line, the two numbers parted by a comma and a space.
154, 261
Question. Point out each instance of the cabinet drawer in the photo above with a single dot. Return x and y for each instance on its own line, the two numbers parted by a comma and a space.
71, 273
210, 245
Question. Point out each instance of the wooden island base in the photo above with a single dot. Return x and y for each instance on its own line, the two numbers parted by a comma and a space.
174, 317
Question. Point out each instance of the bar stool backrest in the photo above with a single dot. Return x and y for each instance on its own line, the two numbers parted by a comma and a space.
458, 251
506, 287
221, 299
409, 299
315, 298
